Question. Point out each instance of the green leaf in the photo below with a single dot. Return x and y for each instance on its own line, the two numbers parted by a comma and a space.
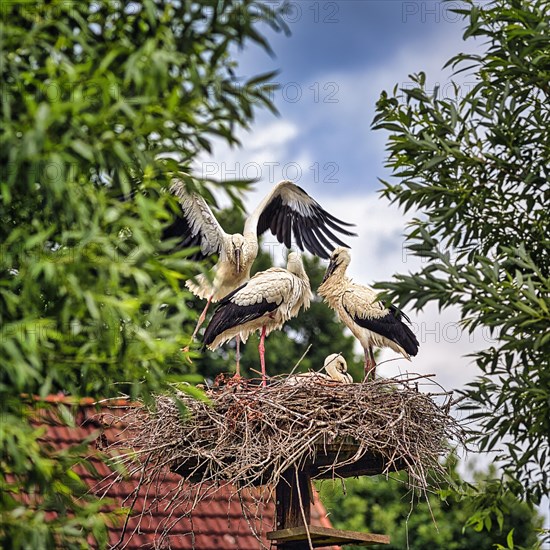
510, 539
83, 149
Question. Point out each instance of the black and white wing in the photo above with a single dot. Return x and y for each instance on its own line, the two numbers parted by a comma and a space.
196, 226
230, 314
289, 211
263, 294
375, 317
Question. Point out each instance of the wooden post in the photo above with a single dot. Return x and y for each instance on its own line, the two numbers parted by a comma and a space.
294, 530
293, 488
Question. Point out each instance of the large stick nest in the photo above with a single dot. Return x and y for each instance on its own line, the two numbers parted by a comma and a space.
249, 435
245, 437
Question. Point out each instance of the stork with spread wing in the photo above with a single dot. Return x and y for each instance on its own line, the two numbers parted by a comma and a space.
287, 211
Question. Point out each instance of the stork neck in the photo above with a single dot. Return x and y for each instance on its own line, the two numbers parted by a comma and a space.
336, 284
299, 271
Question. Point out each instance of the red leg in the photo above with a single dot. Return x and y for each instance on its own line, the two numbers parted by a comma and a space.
370, 364
199, 323
238, 353
261, 349
202, 317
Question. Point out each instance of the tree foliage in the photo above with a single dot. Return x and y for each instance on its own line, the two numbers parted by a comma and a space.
380, 505
97, 97
475, 168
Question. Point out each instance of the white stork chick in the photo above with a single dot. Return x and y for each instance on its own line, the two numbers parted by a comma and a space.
264, 303
337, 368
368, 319
336, 371
286, 211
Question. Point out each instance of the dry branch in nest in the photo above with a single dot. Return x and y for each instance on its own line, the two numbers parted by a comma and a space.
247, 436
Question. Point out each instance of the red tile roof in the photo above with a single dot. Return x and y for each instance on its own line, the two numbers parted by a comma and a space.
216, 523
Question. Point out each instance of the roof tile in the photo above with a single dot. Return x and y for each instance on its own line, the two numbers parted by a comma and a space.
217, 522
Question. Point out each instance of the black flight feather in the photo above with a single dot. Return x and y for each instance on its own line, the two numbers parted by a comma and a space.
284, 222
309, 242
308, 229
178, 228
329, 217
229, 314
333, 237
337, 227
392, 328
398, 314
267, 214
286, 229
321, 237
298, 234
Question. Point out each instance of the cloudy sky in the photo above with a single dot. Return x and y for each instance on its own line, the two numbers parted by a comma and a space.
332, 68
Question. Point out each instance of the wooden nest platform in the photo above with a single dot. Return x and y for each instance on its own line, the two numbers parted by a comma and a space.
248, 435
261, 443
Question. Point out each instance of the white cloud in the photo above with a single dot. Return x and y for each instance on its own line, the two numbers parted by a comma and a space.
276, 134
261, 156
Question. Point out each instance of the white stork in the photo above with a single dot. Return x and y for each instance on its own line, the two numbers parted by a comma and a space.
286, 211
369, 320
336, 371
264, 303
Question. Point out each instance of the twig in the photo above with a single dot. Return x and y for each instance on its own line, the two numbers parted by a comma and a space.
300, 360
247, 436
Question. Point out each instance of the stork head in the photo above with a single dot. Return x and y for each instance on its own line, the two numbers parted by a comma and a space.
339, 261
237, 244
337, 368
